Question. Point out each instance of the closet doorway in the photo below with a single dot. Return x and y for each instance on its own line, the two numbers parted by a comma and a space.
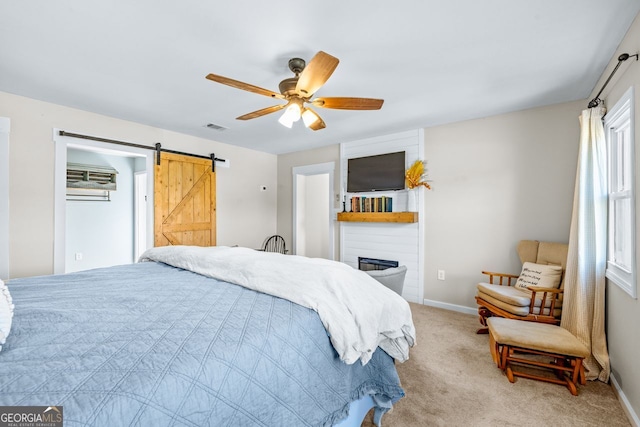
91, 234
313, 230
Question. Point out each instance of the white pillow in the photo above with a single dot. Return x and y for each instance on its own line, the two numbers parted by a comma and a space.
539, 276
6, 312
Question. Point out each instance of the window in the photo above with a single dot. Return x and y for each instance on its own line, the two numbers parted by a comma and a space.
621, 259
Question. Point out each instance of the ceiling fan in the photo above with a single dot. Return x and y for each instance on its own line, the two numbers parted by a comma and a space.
299, 90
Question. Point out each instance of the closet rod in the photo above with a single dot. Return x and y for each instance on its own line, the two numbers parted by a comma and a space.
596, 101
157, 148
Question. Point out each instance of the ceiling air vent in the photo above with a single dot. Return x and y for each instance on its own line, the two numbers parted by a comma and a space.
215, 127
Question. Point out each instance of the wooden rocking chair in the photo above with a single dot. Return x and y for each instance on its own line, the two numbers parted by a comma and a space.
534, 304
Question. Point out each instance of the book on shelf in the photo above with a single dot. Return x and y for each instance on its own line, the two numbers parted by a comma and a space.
371, 204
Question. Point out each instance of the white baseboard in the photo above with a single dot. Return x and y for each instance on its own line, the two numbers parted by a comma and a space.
452, 307
626, 406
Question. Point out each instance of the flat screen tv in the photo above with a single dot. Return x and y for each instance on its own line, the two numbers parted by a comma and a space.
384, 172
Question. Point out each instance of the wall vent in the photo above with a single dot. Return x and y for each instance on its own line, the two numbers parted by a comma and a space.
90, 177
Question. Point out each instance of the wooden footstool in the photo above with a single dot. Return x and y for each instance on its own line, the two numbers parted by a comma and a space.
509, 339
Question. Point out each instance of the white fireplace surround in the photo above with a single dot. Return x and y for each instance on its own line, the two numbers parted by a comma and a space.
392, 241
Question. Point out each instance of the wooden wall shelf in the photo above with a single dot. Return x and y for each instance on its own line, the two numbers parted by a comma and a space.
401, 217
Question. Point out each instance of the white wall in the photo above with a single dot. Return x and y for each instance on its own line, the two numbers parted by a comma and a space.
245, 215
101, 231
623, 312
495, 181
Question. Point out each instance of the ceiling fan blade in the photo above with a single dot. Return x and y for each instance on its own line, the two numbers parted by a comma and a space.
244, 86
342, 103
262, 112
316, 73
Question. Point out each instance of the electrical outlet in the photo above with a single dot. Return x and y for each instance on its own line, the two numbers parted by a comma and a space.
440, 274
78, 256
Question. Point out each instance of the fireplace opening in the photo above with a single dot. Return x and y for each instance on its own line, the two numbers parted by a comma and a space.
366, 264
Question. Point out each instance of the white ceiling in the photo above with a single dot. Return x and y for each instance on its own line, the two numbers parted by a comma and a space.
433, 62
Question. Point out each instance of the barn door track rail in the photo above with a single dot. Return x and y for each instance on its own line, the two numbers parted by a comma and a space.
157, 148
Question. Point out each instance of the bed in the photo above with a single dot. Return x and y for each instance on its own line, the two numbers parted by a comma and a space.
155, 344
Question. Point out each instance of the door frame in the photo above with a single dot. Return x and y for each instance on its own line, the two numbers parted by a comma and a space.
5, 128
309, 170
61, 143
136, 210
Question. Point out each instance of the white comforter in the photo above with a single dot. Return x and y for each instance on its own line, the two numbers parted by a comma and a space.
359, 313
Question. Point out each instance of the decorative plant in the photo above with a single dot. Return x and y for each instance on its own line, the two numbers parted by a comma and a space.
416, 176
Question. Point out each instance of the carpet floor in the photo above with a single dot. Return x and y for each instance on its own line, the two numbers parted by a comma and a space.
451, 380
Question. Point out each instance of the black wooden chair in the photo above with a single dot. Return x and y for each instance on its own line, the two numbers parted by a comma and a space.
275, 243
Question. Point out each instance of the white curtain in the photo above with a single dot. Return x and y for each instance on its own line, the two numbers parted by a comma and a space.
583, 304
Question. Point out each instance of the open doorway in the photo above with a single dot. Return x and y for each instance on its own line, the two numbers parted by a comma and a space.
101, 226
87, 230
313, 231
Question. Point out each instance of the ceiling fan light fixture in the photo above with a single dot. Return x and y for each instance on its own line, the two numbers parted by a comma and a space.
291, 115
285, 120
309, 117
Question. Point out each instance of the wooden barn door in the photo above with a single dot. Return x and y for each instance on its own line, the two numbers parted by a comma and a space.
185, 201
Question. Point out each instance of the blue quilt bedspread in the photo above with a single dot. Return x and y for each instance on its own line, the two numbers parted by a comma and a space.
152, 345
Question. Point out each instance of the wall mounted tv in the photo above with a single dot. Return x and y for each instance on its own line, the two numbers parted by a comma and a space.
384, 172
